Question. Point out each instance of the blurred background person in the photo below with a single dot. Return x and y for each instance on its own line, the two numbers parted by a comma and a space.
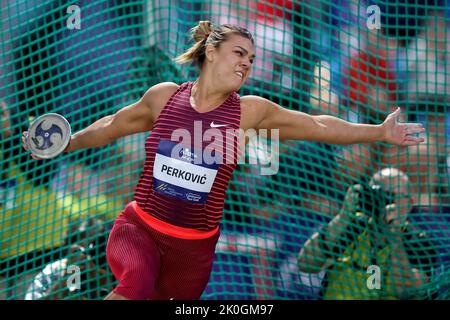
370, 74
305, 190
323, 98
32, 221
42, 204
86, 251
426, 168
428, 73
369, 91
372, 229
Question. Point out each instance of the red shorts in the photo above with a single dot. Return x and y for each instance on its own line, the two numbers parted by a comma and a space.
150, 264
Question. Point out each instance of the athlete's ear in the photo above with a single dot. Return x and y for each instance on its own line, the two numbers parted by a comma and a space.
210, 52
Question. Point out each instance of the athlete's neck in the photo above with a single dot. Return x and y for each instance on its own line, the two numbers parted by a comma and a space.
205, 97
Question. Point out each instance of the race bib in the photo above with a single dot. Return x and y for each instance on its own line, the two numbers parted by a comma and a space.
180, 172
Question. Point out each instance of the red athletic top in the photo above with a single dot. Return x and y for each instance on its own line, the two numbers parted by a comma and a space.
190, 157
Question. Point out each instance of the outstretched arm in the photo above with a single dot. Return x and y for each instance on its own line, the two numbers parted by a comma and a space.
135, 118
294, 125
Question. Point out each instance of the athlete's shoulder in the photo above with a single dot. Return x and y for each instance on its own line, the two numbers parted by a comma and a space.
256, 103
163, 88
253, 110
252, 100
159, 93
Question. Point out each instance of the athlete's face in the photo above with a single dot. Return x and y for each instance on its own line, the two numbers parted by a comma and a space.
232, 61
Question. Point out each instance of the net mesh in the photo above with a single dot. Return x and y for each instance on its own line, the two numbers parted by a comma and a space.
295, 234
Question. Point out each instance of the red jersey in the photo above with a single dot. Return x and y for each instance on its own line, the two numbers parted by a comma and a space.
190, 157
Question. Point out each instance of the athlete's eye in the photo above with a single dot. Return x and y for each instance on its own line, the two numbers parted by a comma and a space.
240, 53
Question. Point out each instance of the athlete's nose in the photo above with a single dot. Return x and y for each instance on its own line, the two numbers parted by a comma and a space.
245, 64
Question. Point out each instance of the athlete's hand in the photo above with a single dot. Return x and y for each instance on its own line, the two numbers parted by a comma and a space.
401, 134
25, 146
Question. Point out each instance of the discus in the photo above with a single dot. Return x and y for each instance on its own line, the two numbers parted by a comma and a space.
48, 135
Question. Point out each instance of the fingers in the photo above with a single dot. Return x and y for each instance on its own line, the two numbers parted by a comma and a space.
24, 140
352, 192
25, 145
391, 209
412, 128
396, 113
413, 124
412, 138
411, 141
352, 197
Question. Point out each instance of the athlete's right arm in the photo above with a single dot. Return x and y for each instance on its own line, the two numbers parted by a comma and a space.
137, 117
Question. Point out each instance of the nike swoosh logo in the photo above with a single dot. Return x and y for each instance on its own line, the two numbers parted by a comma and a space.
213, 125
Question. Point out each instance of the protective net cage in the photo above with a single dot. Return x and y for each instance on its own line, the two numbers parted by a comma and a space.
293, 233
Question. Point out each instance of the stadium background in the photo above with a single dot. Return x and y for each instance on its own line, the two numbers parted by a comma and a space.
317, 56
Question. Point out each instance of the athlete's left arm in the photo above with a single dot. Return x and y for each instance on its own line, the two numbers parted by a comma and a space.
294, 125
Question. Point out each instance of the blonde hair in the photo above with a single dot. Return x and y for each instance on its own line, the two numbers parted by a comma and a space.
205, 33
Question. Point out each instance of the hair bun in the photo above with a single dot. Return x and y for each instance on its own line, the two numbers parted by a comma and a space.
202, 30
